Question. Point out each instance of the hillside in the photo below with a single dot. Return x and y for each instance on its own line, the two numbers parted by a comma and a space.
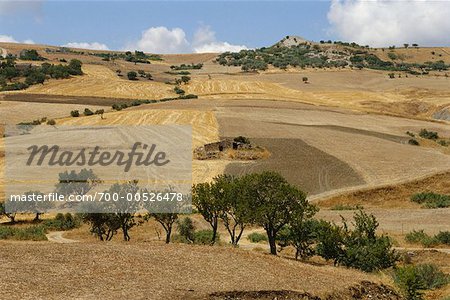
160, 271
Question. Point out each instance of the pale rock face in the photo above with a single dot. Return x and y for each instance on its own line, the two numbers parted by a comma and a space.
293, 40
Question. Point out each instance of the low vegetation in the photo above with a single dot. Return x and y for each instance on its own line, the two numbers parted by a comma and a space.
420, 237
316, 56
413, 280
15, 76
431, 200
187, 67
37, 231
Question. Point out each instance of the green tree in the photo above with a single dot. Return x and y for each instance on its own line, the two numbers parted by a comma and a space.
132, 75
235, 210
273, 203
185, 79
301, 234
206, 199
75, 67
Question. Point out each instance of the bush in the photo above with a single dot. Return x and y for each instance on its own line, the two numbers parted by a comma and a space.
360, 248
256, 237
204, 237
178, 90
420, 237
431, 135
88, 112
132, 75
431, 276
51, 122
443, 237
431, 200
188, 96
408, 281
34, 233
62, 222
186, 229
413, 142
75, 113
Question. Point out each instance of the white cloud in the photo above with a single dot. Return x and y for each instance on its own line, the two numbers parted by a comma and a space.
390, 22
161, 40
82, 45
205, 41
164, 40
10, 39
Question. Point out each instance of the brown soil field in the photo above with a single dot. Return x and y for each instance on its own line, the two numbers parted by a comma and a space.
159, 271
291, 157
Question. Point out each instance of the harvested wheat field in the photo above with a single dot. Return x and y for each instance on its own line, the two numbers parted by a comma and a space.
100, 81
159, 271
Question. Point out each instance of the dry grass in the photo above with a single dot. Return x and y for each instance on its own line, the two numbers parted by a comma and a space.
156, 271
391, 196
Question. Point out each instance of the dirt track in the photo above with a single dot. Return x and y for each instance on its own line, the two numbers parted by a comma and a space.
57, 237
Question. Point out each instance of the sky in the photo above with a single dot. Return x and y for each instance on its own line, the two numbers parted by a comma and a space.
216, 26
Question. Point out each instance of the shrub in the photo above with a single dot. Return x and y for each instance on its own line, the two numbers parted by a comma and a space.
31, 54
431, 135
444, 143
88, 112
391, 75
413, 142
408, 281
360, 248
305, 79
431, 276
392, 55
99, 112
431, 200
204, 237
188, 96
186, 229
420, 237
132, 75
34, 233
443, 237
178, 90
256, 237
51, 122
75, 113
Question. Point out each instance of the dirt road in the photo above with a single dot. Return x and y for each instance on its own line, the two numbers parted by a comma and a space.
57, 237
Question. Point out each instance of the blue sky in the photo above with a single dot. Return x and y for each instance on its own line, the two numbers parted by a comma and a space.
197, 26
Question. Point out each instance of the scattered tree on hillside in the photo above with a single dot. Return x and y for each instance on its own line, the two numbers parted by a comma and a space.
132, 75
274, 203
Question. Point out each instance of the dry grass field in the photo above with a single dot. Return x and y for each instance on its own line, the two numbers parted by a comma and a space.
159, 271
